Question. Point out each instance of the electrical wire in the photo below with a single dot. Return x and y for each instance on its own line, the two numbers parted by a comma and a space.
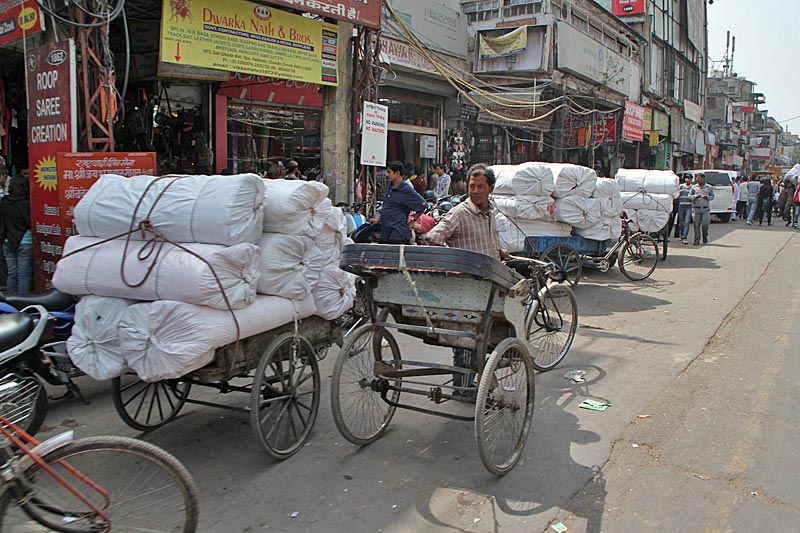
112, 15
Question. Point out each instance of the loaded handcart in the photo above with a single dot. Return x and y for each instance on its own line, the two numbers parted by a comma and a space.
636, 254
458, 299
277, 368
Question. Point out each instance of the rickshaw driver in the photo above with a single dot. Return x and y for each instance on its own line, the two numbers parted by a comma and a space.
470, 225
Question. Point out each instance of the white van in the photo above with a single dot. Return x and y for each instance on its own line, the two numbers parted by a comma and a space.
722, 180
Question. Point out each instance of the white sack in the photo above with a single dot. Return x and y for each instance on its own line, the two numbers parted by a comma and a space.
330, 239
650, 221
643, 200
527, 207
94, 344
578, 211
605, 188
649, 181
573, 180
223, 210
289, 265
512, 235
295, 207
334, 293
598, 232
508, 235
610, 207
545, 229
615, 223
529, 179
168, 339
177, 274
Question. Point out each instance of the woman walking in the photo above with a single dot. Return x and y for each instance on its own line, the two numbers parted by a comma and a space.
15, 234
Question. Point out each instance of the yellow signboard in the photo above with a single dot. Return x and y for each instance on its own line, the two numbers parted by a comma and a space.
511, 43
239, 36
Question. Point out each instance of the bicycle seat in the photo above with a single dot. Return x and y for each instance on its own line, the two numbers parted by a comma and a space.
52, 300
14, 328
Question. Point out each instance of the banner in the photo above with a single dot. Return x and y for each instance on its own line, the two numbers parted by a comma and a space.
240, 36
633, 123
511, 43
19, 18
359, 12
626, 8
52, 126
271, 90
374, 134
605, 128
77, 172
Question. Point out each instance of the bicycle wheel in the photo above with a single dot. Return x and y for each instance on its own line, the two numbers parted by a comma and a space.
550, 325
148, 490
359, 314
26, 404
285, 396
505, 406
360, 413
568, 262
638, 257
146, 406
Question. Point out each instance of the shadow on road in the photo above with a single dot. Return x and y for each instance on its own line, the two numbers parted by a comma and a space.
689, 261
604, 300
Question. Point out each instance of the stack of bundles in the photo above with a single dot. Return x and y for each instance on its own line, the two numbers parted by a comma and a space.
647, 197
573, 180
523, 196
606, 194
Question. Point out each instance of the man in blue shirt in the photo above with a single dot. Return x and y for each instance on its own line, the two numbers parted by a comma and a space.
399, 200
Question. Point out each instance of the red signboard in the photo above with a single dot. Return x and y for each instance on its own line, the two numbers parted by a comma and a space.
633, 123
624, 8
605, 128
78, 171
50, 70
19, 18
359, 12
271, 90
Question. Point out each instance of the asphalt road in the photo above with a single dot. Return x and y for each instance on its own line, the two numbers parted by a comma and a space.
699, 363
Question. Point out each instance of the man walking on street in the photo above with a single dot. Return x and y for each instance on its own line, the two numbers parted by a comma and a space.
701, 194
741, 204
752, 200
442, 188
685, 208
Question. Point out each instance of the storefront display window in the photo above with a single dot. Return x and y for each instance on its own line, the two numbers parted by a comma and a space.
259, 136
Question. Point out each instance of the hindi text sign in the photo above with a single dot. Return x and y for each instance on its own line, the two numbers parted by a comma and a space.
358, 12
374, 133
633, 123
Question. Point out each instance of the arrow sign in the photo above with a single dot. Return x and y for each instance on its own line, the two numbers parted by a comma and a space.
178, 53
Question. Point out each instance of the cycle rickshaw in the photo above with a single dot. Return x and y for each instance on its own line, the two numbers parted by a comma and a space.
459, 299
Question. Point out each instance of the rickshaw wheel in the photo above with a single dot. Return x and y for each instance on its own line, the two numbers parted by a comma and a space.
638, 257
146, 406
359, 411
550, 325
569, 264
505, 406
285, 396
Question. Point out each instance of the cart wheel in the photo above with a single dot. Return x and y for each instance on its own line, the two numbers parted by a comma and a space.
505, 406
638, 257
568, 262
550, 325
359, 410
285, 397
145, 406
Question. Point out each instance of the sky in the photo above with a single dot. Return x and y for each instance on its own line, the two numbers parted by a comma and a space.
767, 38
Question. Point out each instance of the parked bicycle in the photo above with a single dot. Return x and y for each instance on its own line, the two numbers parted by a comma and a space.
94, 484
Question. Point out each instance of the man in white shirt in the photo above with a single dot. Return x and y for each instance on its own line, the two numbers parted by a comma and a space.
442, 188
737, 194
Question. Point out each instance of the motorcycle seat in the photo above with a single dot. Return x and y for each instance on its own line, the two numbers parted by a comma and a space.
52, 300
14, 328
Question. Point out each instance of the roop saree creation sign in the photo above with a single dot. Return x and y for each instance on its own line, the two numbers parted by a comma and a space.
241, 36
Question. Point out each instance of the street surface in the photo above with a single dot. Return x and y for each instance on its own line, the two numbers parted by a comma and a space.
700, 366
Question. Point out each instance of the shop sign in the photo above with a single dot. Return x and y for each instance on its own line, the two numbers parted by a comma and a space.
626, 8
240, 36
52, 127
271, 90
427, 146
633, 122
737, 160
469, 112
605, 128
444, 29
583, 56
374, 133
400, 53
604, 124
696, 23
19, 18
713, 149
761, 153
77, 172
511, 43
693, 111
359, 12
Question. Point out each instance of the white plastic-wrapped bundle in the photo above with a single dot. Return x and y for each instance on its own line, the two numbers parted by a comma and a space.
289, 265
223, 210
607, 193
334, 292
527, 207
544, 228
607, 228
573, 180
94, 344
168, 339
643, 200
528, 179
649, 181
578, 211
295, 207
512, 234
330, 239
615, 223
605, 188
648, 220
610, 207
510, 237
176, 274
